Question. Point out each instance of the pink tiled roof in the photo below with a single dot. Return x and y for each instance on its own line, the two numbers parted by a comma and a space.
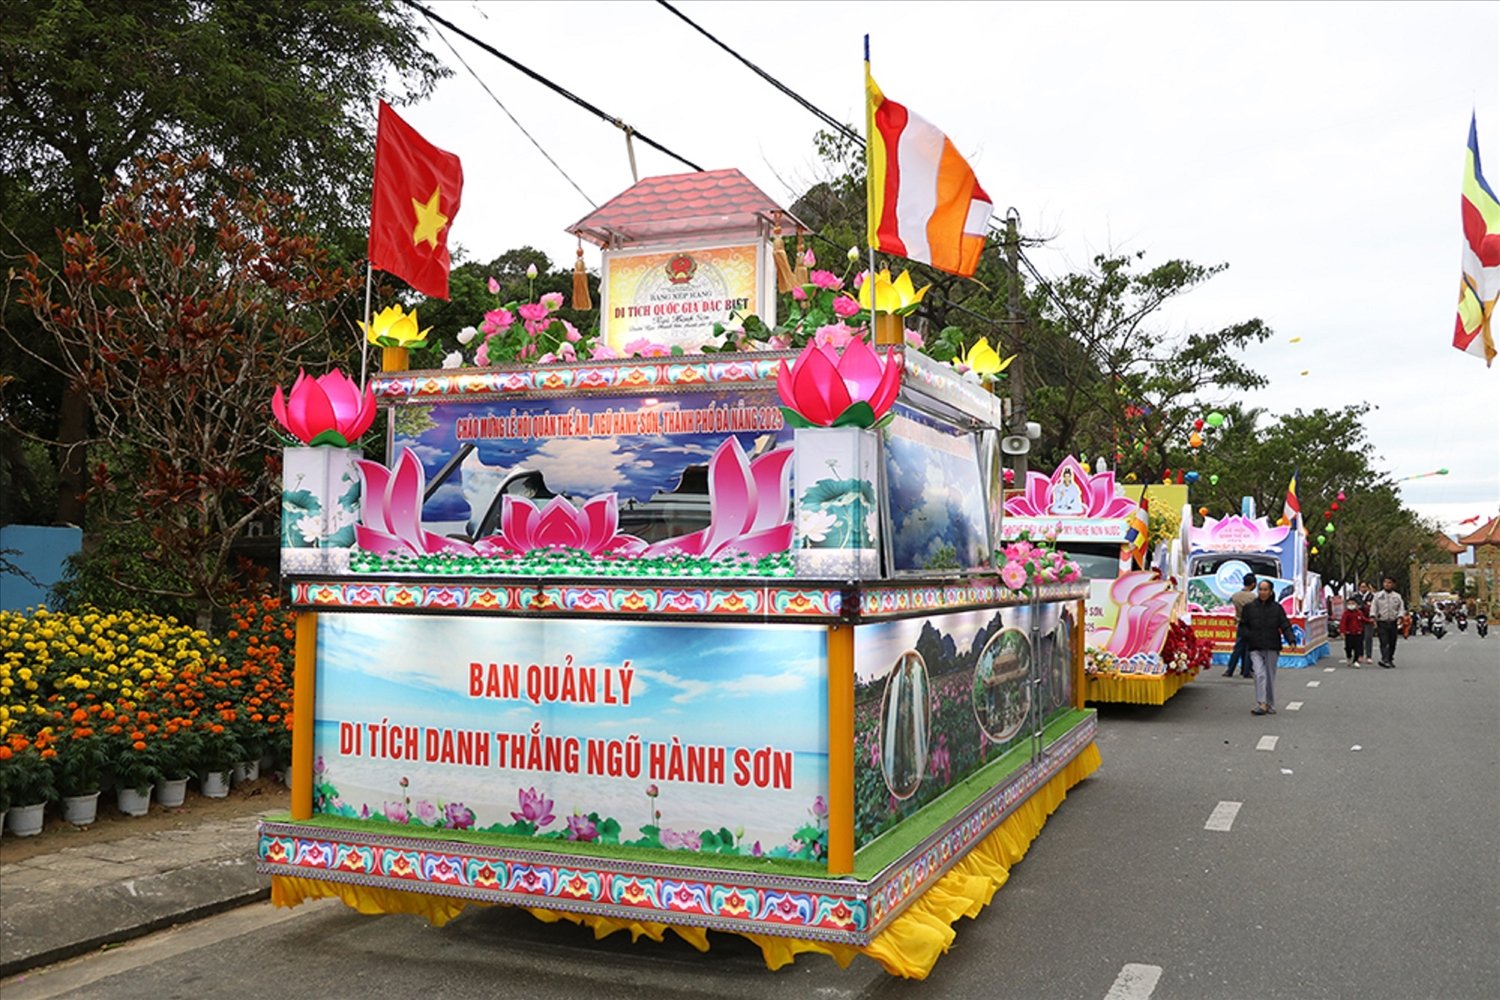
681, 205
1487, 535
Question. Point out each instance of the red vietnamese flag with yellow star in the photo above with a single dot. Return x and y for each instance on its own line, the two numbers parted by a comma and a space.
417, 189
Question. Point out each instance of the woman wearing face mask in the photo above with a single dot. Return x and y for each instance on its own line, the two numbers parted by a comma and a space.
1264, 625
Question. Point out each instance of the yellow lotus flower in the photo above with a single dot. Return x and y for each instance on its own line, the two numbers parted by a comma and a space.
897, 296
394, 327
983, 360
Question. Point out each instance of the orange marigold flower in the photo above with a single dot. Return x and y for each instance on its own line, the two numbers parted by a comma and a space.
138, 745
216, 728
5, 753
49, 753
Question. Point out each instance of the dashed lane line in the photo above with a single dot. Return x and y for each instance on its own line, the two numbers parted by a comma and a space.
1222, 818
1135, 982
1294, 706
1267, 743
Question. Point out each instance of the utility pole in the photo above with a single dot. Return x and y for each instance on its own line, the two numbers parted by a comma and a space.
1017, 370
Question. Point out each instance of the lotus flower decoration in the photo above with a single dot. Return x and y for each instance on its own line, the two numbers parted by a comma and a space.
881, 294
982, 360
593, 528
1145, 602
1071, 491
392, 511
828, 388
747, 504
394, 327
327, 410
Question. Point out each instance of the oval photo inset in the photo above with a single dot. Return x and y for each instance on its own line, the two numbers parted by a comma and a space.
1062, 659
1001, 691
905, 721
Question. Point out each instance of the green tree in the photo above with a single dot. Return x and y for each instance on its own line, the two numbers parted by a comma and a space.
285, 89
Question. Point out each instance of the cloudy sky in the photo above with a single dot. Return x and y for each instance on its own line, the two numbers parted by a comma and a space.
1315, 148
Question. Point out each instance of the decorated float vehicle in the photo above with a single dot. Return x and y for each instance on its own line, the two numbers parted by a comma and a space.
1140, 645
1222, 551
687, 641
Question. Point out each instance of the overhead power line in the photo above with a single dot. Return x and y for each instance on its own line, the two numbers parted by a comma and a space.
499, 104
556, 88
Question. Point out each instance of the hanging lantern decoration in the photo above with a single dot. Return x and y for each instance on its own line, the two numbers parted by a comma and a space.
1192, 476
1314, 550
1216, 419
1321, 540
1213, 479
1198, 424
1195, 440
1333, 506
1202, 511
1341, 494
1166, 476
1330, 528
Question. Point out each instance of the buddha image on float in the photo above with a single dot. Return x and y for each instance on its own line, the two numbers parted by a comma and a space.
1141, 642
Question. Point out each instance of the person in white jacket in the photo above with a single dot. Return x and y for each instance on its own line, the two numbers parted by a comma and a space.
1386, 608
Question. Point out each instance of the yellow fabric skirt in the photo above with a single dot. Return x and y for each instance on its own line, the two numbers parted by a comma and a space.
1150, 689
909, 947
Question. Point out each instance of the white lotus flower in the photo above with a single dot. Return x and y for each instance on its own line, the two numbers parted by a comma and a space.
814, 525
453, 359
467, 335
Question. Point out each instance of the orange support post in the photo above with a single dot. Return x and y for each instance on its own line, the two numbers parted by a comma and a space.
840, 749
303, 709
1080, 638
394, 359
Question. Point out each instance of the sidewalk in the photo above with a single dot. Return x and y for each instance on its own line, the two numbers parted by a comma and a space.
69, 892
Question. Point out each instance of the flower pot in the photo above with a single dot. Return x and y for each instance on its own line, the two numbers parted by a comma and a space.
25, 821
171, 792
133, 801
246, 771
81, 810
319, 508
214, 784
837, 513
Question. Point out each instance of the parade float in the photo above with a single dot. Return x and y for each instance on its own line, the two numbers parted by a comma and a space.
668, 640
1140, 646
1222, 551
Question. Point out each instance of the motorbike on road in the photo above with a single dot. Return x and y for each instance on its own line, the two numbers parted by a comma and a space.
1481, 625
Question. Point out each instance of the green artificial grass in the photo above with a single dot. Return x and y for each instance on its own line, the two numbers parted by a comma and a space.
868, 862
890, 846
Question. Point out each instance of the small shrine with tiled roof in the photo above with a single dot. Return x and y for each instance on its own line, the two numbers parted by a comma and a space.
683, 252
1489, 534
1448, 545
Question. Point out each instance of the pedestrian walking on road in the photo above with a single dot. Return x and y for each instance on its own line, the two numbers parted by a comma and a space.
1387, 608
1352, 628
1264, 626
1365, 596
1239, 599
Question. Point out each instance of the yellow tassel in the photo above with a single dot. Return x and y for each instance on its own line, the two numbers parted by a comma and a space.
799, 273
581, 299
785, 279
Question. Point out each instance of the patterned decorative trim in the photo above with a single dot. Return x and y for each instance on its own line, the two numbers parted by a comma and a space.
881, 601
672, 601
840, 910
632, 374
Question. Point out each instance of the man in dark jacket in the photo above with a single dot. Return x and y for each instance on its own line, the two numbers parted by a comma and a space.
1264, 624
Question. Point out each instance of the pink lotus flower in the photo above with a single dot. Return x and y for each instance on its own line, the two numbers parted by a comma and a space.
844, 307
551, 301
603, 352
822, 385
391, 511
457, 816
779, 342
594, 528
396, 812
325, 410
747, 503
1071, 491
532, 311
1013, 575
496, 320
582, 828
808, 258
819, 808
647, 348
536, 808
482, 356
688, 840
426, 811
494, 286
834, 335
570, 332
799, 294
914, 339
826, 280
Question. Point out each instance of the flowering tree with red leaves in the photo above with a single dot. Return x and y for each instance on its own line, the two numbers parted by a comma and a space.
193, 294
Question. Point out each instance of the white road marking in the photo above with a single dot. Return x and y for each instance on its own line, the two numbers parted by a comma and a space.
1356, 747
1327, 670
1267, 743
1135, 982
1286, 770
1313, 684
1294, 706
1220, 820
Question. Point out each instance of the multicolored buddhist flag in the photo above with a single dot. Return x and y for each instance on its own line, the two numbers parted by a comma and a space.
1479, 289
1138, 531
416, 196
1291, 510
924, 201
